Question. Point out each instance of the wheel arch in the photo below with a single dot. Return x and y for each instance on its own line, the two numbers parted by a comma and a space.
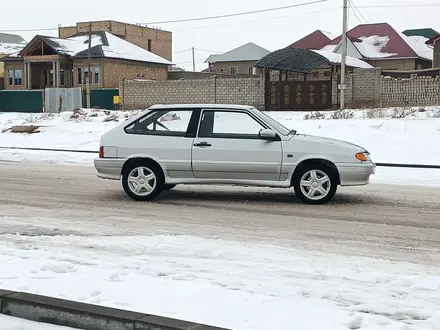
143, 159
311, 161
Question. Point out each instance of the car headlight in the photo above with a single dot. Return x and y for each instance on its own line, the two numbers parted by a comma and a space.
363, 156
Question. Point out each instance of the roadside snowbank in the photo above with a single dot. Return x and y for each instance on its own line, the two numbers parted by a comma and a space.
228, 284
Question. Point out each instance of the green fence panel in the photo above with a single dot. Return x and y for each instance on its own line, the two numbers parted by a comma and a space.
21, 101
101, 98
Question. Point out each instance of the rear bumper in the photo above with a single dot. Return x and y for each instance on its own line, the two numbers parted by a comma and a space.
355, 174
109, 168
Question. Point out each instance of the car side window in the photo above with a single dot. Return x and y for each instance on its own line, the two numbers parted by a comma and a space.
229, 124
169, 122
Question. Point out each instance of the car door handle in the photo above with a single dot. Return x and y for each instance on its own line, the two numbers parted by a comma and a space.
202, 144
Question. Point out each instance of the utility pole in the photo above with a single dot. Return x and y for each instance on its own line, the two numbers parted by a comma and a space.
344, 52
89, 72
194, 60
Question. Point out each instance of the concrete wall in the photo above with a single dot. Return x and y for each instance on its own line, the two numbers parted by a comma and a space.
414, 91
142, 94
409, 64
154, 40
362, 88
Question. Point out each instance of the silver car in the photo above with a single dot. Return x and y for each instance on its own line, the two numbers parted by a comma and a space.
168, 145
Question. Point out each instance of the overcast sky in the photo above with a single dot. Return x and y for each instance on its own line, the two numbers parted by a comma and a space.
272, 30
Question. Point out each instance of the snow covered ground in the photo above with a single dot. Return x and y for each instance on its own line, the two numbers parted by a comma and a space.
13, 323
228, 284
407, 140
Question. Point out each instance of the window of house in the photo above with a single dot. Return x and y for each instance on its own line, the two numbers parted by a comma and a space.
51, 77
46, 77
18, 77
162, 122
419, 67
251, 70
149, 45
86, 75
96, 75
234, 70
217, 124
79, 76
221, 70
11, 76
62, 77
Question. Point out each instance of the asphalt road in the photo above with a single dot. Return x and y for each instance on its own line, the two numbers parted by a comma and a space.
400, 223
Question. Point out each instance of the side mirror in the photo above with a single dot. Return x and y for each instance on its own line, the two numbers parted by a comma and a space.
267, 134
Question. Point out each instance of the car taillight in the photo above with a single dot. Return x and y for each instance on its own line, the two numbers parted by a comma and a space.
101, 152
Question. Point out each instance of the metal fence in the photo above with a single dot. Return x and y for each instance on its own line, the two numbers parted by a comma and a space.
62, 99
21, 101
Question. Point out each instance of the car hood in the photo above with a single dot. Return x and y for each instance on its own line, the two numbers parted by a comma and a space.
328, 141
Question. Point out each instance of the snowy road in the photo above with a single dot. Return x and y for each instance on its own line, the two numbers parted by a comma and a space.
382, 221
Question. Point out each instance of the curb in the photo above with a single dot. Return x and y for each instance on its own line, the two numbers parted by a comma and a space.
86, 316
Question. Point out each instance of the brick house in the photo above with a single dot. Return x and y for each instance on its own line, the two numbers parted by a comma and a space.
156, 41
9, 43
434, 43
382, 46
63, 62
240, 60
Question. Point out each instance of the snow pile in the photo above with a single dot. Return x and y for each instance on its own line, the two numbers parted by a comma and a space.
223, 283
371, 47
336, 58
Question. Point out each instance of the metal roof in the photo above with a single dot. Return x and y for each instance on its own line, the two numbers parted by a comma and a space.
292, 59
247, 52
11, 38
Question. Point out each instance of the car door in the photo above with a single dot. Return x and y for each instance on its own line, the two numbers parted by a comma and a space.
164, 135
228, 146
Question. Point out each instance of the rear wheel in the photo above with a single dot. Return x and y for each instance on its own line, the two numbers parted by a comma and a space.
142, 181
315, 184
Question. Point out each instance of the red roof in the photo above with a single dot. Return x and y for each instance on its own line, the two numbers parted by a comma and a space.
315, 40
432, 41
396, 45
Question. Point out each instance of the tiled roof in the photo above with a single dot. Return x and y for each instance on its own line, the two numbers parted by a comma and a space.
315, 40
11, 43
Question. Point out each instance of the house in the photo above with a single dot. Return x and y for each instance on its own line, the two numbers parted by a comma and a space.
240, 60
314, 41
157, 41
382, 46
56, 62
434, 43
9, 43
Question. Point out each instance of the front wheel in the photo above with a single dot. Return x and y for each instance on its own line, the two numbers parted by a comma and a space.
315, 184
142, 181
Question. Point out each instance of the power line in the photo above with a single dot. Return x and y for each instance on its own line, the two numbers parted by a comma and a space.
182, 51
359, 12
208, 51
236, 14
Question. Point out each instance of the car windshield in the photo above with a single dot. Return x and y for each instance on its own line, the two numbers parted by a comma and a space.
279, 127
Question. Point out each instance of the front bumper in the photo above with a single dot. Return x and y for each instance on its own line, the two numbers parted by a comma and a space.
356, 174
109, 168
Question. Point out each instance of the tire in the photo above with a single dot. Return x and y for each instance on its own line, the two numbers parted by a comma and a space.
320, 178
150, 182
168, 186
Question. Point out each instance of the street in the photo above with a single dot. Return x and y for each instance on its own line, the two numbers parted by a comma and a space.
400, 223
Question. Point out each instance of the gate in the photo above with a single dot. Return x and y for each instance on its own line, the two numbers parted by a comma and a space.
21, 101
62, 99
101, 98
297, 94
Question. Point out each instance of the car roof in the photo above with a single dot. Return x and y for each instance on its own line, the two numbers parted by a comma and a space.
201, 106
